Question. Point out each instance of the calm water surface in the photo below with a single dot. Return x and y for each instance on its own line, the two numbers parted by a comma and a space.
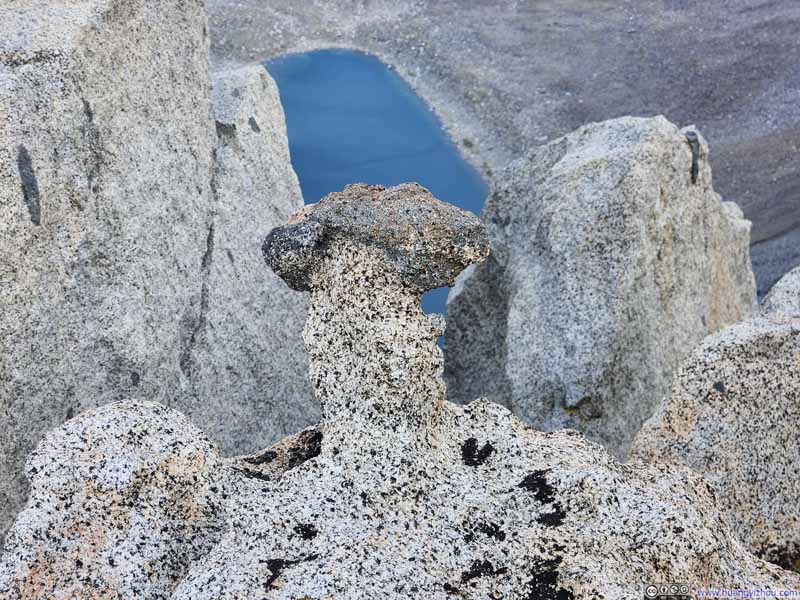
350, 118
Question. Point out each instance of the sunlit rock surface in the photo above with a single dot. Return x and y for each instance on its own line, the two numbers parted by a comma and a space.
612, 256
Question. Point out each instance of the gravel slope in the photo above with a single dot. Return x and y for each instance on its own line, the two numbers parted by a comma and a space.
507, 75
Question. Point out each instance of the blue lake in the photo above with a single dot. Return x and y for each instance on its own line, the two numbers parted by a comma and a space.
350, 118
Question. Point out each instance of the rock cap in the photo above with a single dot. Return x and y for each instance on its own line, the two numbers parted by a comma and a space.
428, 241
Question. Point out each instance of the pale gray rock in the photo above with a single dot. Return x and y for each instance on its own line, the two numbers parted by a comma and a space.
733, 416
126, 250
401, 494
248, 366
105, 208
784, 297
612, 256
123, 499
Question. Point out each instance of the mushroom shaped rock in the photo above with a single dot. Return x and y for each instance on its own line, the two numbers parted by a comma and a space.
427, 242
398, 493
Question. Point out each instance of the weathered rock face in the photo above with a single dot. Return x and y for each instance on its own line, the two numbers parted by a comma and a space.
400, 494
125, 249
784, 297
249, 368
612, 256
106, 203
733, 416
123, 499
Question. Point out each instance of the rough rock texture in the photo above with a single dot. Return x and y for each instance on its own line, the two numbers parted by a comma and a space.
784, 297
105, 206
609, 263
400, 494
123, 499
733, 416
118, 230
506, 75
397, 493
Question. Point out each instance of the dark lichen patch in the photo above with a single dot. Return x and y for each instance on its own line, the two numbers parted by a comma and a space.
474, 456
226, 133
91, 135
307, 531
277, 566
309, 445
192, 325
554, 518
30, 186
254, 125
536, 483
267, 456
481, 568
205, 261
253, 474
451, 589
491, 530
694, 145
543, 584
785, 558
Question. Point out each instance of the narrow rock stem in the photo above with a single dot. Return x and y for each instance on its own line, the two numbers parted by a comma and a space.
374, 361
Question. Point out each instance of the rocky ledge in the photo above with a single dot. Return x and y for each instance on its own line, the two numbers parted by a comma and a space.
397, 493
732, 416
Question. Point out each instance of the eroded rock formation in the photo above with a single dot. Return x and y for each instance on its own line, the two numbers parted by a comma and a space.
397, 493
405, 494
126, 249
612, 256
